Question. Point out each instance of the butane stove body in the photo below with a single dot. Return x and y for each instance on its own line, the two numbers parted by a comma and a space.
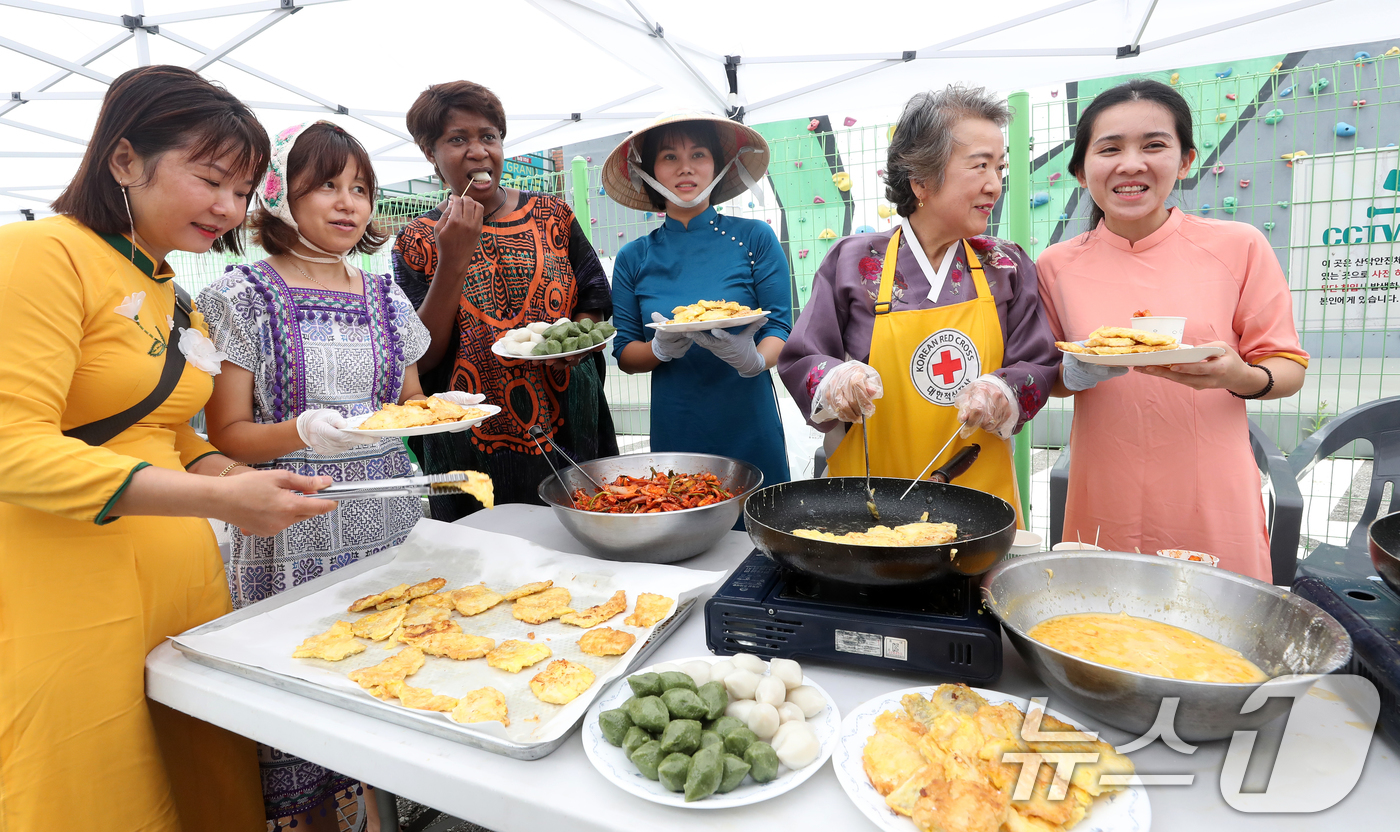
939, 629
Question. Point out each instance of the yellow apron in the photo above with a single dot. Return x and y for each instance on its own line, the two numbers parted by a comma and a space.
951, 347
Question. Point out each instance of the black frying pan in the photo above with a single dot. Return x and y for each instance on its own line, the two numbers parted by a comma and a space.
1384, 538
986, 527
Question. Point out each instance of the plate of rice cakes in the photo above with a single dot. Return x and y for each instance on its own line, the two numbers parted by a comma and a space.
930, 758
1118, 346
417, 417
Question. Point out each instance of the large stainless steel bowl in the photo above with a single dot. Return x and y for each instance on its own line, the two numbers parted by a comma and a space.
1384, 539
662, 537
1278, 631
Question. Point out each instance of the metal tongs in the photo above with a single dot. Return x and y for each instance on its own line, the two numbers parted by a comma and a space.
432, 485
535, 433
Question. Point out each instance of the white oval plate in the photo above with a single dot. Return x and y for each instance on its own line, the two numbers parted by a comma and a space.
354, 423
499, 349
706, 326
1180, 355
613, 764
1124, 811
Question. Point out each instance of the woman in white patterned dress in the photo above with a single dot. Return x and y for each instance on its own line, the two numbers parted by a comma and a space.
310, 342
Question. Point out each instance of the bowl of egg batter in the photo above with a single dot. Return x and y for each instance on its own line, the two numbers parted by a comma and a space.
1116, 633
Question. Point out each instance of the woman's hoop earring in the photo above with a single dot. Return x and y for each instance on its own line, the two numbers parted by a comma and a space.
127, 203
920, 205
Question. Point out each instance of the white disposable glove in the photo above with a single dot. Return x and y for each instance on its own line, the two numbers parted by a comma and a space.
460, 399
324, 432
737, 349
987, 403
847, 393
1081, 375
668, 346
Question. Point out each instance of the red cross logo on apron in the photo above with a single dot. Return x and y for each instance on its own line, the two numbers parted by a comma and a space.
945, 363
947, 367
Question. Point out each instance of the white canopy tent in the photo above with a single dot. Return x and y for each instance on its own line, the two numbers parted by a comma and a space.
572, 70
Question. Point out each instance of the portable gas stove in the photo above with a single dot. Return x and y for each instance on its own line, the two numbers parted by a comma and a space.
1353, 594
939, 629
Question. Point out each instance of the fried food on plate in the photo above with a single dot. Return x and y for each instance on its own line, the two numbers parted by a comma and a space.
938, 761
397, 667
1155, 339
561, 682
414, 592
436, 599
650, 609
909, 534
528, 589
514, 655
476, 485
1070, 346
421, 699
605, 641
1119, 340
474, 600
333, 645
419, 413
378, 626
456, 645
414, 633
482, 705
542, 606
379, 597
593, 616
710, 310
425, 615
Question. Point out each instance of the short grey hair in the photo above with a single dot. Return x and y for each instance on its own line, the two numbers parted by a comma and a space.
923, 139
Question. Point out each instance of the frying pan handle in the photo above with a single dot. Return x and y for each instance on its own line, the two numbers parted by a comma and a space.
958, 465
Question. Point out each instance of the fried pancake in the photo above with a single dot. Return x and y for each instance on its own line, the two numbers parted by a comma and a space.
514, 656
889, 760
474, 600
421, 699
561, 682
378, 626
378, 598
333, 645
901, 726
1109, 342
416, 591
425, 615
961, 805
417, 413
415, 633
904, 797
650, 609
482, 705
476, 484
456, 645
1070, 346
432, 600
593, 616
396, 668
528, 589
1136, 348
605, 641
1138, 336
542, 606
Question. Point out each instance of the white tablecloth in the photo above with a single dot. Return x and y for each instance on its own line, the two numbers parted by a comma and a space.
564, 791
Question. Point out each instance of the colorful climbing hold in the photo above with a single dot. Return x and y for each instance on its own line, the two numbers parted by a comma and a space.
1176, 76
1269, 226
1363, 57
1282, 203
1039, 198
1055, 93
1285, 92
802, 254
1344, 130
1290, 158
1221, 118
842, 180
1244, 183
1394, 50
1063, 216
661, 215
1277, 67
801, 218
1055, 177
1207, 144
1358, 102
1205, 208
1226, 74
1318, 86
750, 204
1218, 169
885, 211
1230, 204
797, 164
849, 122
770, 222
1273, 116
588, 158
816, 200
1229, 96
827, 234
620, 233
647, 215
866, 229
602, 192
889, 134
593, 220
813, 125
880, 172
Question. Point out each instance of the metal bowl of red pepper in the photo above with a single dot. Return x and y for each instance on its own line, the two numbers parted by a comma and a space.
654, 507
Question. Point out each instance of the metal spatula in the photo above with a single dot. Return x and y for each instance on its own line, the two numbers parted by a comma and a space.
432, 485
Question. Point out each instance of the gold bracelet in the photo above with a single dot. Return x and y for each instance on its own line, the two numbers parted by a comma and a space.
224, 473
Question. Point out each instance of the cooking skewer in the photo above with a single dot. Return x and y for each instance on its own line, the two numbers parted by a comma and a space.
535, 433
869, 492
930, 463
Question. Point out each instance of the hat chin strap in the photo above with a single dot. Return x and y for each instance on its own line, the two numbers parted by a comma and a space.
638, 176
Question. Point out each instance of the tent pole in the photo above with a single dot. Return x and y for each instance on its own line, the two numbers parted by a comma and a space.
1018, 215
579, 167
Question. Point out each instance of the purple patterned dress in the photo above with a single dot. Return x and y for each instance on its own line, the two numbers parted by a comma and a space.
309, 349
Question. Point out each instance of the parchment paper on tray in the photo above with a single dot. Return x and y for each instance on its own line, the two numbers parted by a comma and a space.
463, 556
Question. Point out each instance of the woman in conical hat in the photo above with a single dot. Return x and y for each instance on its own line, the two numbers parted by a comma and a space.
711, 391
